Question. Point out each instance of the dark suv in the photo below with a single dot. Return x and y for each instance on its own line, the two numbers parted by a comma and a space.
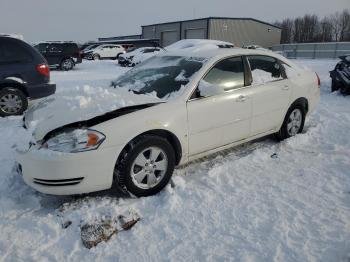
24, 74
62, 55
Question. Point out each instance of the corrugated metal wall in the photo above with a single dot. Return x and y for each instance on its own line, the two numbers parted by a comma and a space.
198, 26
157, 31
244, 32
314, 50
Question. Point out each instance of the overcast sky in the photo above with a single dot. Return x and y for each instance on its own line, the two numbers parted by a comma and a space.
82, 20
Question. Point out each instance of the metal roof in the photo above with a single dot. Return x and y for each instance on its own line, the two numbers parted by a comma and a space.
213, 17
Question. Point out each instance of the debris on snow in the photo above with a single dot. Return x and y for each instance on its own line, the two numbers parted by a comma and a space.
66, 224
92, 234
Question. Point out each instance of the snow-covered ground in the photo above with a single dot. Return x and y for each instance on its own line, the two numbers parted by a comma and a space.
263, 201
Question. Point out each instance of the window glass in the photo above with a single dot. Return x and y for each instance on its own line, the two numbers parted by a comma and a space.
41, 47
164, 76
264, 69
71, 48
226, 75
54, 48
13, 52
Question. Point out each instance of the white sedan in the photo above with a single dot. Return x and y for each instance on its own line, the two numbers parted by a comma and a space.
185, 105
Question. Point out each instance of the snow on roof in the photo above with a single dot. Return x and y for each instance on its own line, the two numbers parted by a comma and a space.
190, 43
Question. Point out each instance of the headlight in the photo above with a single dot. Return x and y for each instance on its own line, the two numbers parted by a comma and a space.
75, 141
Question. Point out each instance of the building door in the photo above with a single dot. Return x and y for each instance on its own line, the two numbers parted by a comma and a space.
195, 33
168, 37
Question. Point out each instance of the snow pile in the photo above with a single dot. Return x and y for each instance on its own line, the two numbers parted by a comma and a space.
262, 201
261, 77
196, 44
82, 103
206, 89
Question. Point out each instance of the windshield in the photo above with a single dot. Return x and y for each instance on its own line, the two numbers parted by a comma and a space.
90, 47
163, 75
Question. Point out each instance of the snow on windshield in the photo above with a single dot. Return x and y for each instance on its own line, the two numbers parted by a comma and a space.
164, 76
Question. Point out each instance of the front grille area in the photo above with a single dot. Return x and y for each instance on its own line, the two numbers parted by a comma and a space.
58, 182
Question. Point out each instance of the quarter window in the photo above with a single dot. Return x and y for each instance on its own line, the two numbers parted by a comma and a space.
14, 53
227, 74
264, 69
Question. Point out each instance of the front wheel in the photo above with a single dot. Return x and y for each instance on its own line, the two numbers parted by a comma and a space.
96, 57
12, 102
147, 166
293, 122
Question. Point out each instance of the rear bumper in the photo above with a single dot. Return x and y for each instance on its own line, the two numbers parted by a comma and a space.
42, 90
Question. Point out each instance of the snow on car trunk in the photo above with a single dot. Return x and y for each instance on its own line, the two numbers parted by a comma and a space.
262, 201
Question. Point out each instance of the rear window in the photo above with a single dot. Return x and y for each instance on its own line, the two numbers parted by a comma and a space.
71, 48
12, 52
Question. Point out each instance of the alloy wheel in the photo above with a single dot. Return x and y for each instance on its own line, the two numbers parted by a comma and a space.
10, 103
149, 167
294, 122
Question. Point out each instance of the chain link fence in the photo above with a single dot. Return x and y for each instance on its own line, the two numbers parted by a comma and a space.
313, 50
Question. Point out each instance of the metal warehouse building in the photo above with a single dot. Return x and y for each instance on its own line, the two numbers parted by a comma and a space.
239, 31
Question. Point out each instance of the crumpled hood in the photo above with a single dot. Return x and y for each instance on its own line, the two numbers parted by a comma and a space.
82, 103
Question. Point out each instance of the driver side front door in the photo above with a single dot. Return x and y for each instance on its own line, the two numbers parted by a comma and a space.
220, 113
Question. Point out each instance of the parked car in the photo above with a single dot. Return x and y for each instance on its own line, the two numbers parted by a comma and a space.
108, 51
62, 55
258, 47
86, 50
341, 75
136, 56
182, 106
24, 74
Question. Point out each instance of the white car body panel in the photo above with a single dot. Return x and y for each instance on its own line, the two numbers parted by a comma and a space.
202, 126
108, 51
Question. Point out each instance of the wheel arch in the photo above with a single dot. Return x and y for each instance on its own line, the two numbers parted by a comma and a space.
301, 101
13, 84
169, 136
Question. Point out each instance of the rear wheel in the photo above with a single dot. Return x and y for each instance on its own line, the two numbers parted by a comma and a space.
67, 64
147, 166
293, 122
12, 102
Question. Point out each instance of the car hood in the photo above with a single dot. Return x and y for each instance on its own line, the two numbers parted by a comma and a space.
83, 104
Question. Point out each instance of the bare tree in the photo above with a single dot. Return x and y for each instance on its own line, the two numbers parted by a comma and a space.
287, 30
325, 30
344, 25
310, 28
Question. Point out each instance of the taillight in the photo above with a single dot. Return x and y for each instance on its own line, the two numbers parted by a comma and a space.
318, 80
43, 69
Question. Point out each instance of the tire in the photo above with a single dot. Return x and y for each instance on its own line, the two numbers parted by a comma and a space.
334, 86
12, 102
67, 64
137, 168
290, 128
96, 57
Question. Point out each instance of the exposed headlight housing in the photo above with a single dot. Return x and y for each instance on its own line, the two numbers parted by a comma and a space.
74, 141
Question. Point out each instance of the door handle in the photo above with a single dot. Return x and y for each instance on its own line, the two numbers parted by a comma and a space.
285, 87
241, 98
